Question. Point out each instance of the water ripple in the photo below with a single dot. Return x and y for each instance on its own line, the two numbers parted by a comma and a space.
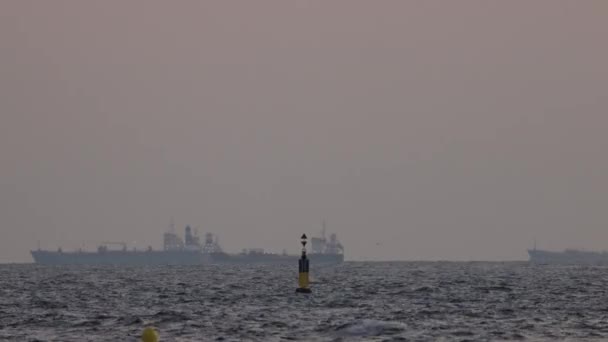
416, 301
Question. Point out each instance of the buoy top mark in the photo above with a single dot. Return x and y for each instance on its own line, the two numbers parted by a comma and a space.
303, 237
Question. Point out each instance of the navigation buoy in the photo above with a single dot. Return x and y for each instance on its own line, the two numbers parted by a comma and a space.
303, 281
149, 335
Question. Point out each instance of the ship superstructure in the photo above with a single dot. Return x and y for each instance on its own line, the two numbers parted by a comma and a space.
171, 241
212, 245
321, 245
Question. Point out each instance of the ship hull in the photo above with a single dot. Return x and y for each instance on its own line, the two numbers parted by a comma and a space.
118, 258
274, 259
568, 257
171, 258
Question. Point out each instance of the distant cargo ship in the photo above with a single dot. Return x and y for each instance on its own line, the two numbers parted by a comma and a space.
189, 251
568, 257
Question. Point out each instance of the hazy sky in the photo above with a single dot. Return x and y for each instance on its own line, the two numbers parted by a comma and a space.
418, 129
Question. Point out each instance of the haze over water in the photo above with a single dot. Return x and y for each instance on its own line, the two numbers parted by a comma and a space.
418, 130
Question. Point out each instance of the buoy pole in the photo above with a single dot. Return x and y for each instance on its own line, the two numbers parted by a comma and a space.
303, 268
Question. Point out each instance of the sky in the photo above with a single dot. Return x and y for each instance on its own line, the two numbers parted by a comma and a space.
419, 130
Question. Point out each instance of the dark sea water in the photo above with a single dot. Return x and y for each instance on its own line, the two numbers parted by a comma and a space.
351, 302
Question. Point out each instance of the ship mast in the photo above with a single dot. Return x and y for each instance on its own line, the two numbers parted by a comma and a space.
171, 225
323, 229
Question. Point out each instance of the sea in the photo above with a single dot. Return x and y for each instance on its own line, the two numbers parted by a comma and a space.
354, 301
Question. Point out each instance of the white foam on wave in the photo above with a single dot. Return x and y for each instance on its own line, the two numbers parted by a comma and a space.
372, 327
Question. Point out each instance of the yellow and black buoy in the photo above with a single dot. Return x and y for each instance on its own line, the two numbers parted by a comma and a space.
303, 270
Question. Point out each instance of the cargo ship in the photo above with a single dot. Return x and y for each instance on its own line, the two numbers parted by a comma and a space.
189, 251
568, 257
